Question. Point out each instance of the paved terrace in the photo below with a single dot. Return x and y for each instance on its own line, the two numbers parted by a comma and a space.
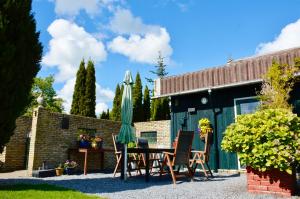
222, 186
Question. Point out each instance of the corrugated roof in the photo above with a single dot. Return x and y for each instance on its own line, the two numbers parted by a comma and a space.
238, 72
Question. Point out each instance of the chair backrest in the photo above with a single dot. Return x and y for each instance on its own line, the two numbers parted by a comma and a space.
183, 147
117, 145
142, 143
208, 139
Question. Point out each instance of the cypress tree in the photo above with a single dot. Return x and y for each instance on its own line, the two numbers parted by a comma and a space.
146, 104
137, 100
116, 110
20, 55
105, 115
90, 90
78, 102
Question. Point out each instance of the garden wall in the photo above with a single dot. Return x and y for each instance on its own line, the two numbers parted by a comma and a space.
162, 128
54, 133
14, 155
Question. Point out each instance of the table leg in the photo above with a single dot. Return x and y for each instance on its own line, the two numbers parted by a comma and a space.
85, 162
101, 160
122, 164
147, 166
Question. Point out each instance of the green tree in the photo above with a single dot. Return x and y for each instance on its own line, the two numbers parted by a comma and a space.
105, 115
160, 109
137, 100
44, 86
78, 102
20, 55
90, 90
116, 110
146, 104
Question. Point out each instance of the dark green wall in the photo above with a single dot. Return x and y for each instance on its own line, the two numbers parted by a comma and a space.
223, 102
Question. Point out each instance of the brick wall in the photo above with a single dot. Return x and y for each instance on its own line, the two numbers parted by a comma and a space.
271, 182
50, 143
15, 151
161, 127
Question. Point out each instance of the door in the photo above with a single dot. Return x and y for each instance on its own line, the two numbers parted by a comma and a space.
245, 106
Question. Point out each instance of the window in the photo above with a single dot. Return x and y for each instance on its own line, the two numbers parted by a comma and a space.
151, 136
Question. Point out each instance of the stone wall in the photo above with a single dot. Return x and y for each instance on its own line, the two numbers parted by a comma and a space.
50, 142
162, 128
14, 154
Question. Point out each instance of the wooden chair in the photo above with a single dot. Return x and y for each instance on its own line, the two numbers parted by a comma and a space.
118, 153
202, 157
181, 154
154, 158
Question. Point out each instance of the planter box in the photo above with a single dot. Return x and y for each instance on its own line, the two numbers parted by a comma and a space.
271, 182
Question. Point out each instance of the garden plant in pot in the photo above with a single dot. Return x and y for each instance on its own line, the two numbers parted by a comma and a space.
70, 167
204, 127
59, 170
268, 141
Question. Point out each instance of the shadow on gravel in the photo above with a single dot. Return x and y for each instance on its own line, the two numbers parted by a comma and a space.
111, 185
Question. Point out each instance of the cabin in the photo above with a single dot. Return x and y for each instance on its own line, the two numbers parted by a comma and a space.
220, 94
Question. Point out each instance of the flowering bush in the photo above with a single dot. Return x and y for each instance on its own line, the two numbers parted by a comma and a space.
265, 140
70, 164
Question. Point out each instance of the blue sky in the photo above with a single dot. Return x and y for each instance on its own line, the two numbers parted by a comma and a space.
120, 35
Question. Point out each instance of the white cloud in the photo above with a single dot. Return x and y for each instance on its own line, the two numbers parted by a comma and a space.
73, 7
69, 44
103, 96
289, 37
139, 42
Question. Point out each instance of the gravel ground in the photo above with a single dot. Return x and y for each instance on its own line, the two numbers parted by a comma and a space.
221, 186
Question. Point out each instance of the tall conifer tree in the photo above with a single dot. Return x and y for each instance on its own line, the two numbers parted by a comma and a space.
146, 104
137, 100
20, 55
90, 90
78, 102
116, 110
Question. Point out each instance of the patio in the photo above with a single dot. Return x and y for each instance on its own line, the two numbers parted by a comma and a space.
222, 186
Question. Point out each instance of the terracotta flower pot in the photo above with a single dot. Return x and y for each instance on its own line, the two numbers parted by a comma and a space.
59, 171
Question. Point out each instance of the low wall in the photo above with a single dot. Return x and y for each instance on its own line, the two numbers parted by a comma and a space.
50, 141
162, 128
14, 154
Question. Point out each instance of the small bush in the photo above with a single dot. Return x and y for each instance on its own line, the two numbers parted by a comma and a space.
265, 139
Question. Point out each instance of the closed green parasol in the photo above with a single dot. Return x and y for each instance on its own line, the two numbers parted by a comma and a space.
126, 134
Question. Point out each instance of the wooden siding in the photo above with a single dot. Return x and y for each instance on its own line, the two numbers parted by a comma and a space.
239, 71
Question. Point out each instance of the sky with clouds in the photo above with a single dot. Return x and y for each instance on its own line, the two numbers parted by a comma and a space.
120, 35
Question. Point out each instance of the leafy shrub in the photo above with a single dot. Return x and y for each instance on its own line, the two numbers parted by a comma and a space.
266, 139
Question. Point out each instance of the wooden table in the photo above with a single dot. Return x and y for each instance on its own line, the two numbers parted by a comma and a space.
91, 150
146, 152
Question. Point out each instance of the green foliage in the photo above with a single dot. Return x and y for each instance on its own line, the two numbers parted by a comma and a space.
160, 70
278, 83
116, 110
78, 102
90, 90
44, 86
137, 100
160, 109
105, 115
146, 104
20, 55
265, 139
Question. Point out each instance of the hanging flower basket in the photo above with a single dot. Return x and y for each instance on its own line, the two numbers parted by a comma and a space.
204, 127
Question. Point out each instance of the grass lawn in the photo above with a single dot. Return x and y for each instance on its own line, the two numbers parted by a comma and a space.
37, 191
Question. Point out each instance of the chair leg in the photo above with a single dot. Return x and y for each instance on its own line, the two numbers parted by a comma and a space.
117, 165
171, 169
209, 169
204, 170
191, 174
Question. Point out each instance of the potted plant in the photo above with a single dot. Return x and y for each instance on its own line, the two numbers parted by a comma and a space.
59, 170
268, 143
96, 142
204, 126
70, 167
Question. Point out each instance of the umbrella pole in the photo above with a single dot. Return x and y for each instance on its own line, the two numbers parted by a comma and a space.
125, 161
